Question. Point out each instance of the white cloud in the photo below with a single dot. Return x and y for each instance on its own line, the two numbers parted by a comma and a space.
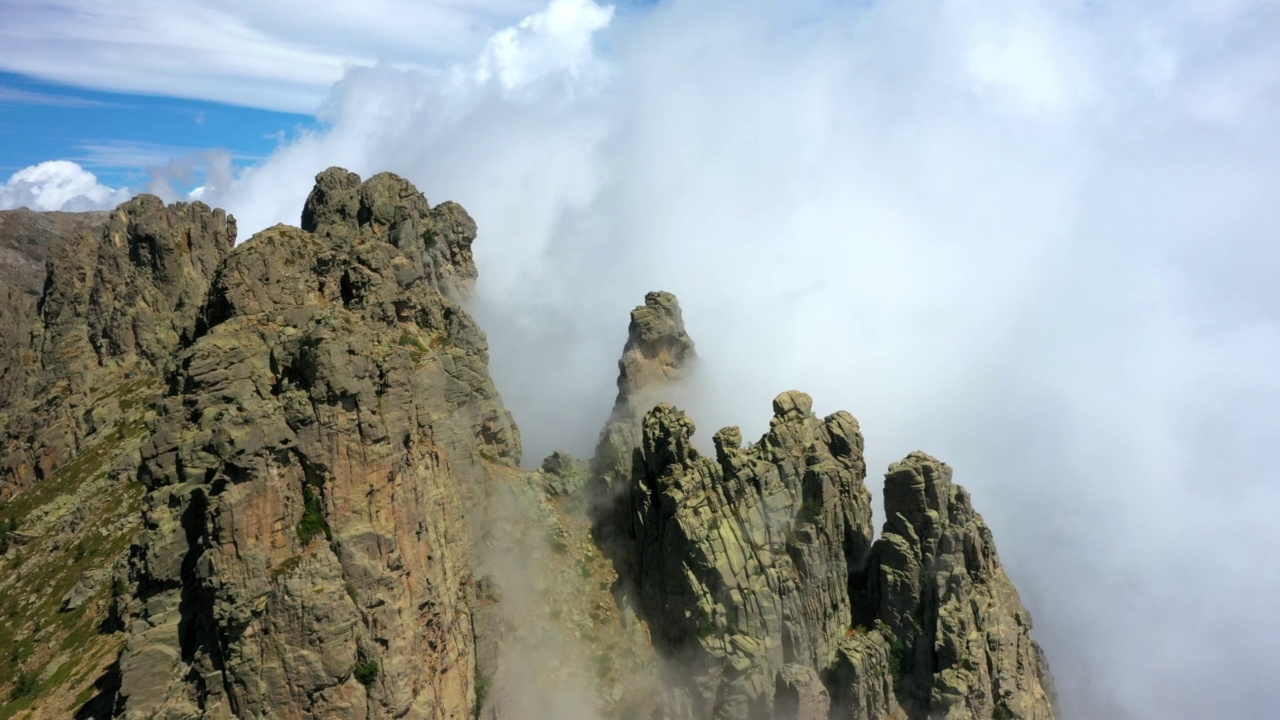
558, 39
58, 185
1031, 238
18, 96
1006, 233
276, 55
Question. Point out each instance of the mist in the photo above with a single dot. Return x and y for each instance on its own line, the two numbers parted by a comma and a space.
1036, 240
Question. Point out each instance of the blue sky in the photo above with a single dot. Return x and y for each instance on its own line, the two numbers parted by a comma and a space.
125, 86
118, 135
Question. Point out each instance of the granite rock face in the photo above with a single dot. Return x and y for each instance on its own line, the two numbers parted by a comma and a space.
26, 237
939, 588
118, 299
306, 550
26, 240
756, 573
284, 469
744, 560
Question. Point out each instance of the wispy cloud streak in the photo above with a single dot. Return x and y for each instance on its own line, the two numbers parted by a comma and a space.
18, 96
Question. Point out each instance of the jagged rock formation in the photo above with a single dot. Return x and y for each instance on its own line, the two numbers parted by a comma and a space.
757, 577
306, 551
657, 357
742, 562
116, 305
938, 587
277, 481
80, 371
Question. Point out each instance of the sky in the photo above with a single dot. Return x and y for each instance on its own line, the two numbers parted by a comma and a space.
1035, 239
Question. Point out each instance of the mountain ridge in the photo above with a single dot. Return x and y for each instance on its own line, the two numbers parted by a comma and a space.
321, 500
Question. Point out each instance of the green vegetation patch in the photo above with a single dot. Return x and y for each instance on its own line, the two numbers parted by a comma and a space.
25, 685
75, 521
897, 656
366, 673
408, 339
313, 522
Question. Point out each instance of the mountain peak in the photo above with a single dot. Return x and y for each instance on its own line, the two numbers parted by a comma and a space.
277, 480
658, 352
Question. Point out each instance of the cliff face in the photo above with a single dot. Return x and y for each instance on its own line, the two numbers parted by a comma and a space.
119, 297
937, 586
26, 238
306, 551
277, 481
82, 363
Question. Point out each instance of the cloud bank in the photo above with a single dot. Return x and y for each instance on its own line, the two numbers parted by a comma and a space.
171, 173
1033, 239
59, 185
281, 55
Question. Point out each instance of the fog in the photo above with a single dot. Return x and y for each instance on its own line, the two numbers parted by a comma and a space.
1035, 239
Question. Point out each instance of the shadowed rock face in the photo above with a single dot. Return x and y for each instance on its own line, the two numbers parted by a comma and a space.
308, 477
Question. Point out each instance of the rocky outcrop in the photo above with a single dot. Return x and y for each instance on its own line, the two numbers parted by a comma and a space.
437, 240
26, 237
658, 355
757, 578
742, 562
118, 300
939, 589
285, 469
307, 551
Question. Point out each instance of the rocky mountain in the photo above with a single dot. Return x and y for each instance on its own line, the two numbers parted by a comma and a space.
276, 480
26, 237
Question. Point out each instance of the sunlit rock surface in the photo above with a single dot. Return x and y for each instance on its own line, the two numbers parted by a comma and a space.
277, 481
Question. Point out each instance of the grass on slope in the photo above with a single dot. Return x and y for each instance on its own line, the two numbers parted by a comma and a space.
78, 522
